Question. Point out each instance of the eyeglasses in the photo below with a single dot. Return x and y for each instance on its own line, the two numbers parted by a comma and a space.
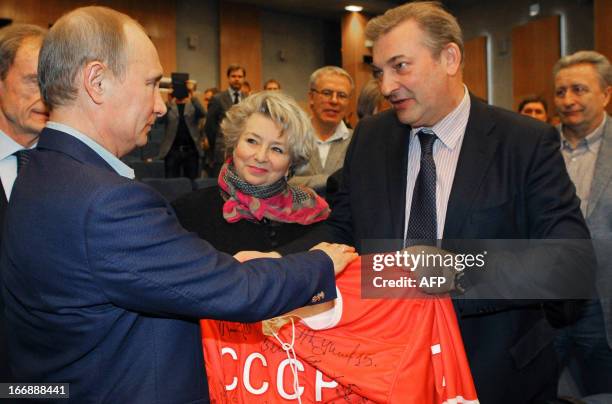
329, 94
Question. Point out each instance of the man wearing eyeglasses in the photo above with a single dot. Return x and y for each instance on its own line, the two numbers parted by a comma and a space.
328, 97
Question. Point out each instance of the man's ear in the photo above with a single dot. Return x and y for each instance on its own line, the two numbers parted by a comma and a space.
95, 77
311, 99
452, 56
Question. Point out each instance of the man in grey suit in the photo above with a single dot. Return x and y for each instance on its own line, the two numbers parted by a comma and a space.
583, 86
329, 90
182, 146
217, 107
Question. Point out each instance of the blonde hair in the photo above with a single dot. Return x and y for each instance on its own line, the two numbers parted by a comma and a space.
284, 111
83, 35
440, 26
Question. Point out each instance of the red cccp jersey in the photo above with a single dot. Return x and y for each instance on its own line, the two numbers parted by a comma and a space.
376, 350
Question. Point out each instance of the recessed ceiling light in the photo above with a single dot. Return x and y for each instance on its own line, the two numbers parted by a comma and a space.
353, 8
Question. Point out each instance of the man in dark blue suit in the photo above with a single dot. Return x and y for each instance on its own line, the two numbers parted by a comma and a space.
22, 117
444, 166
103, 288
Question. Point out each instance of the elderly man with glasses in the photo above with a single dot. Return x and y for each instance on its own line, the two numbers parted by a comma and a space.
328, 97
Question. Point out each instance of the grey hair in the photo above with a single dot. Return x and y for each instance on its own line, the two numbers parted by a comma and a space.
329, 70
595, 59
11, 38
83, 35
369, 99
440, 27
284, 111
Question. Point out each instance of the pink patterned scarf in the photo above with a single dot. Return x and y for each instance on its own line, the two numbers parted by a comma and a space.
279, 202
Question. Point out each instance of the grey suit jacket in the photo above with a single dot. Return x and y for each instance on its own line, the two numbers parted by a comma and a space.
599, 220
217, 107
314, 174
194, 111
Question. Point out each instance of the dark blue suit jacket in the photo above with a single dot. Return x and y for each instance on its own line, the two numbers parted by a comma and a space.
104, 289
510, 183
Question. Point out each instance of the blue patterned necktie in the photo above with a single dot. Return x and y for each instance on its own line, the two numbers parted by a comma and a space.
423, 223
23, 156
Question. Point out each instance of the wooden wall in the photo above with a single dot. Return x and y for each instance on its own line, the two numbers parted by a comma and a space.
603, 30
353, 50
158, 17
535, 50
475, 66
240, 41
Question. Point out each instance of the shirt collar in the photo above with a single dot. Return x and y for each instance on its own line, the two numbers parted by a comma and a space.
341, 133
8, 146
452, 127
119, 166
590, 140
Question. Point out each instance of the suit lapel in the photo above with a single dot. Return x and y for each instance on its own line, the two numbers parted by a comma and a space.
173, 117
3, 206
397, 165
189, 111
603, 167
477, 151
227, 101
333, 155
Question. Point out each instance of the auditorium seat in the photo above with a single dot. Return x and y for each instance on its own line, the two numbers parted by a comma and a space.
204, 183
148, 169
170, 188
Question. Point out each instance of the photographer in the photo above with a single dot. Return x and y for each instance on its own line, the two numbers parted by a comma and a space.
181, 147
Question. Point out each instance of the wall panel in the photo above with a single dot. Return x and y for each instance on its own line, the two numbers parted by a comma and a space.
603, 30
535, 50
475, 66
353, 50
157, 16
240, 41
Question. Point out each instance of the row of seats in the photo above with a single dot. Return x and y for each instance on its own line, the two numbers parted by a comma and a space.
151, 149
152, 172
173, 188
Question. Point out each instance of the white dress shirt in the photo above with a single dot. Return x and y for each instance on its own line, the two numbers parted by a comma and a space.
450, 131
8, 162
231, 92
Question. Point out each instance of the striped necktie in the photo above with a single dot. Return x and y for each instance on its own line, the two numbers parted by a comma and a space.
23, 156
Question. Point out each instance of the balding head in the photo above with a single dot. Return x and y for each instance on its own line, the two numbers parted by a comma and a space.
84, 35
99, 74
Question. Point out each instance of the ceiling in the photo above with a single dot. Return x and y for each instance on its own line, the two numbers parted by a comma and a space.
323, 8
332, 9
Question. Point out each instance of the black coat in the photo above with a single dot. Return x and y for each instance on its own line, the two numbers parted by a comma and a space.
201, 212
